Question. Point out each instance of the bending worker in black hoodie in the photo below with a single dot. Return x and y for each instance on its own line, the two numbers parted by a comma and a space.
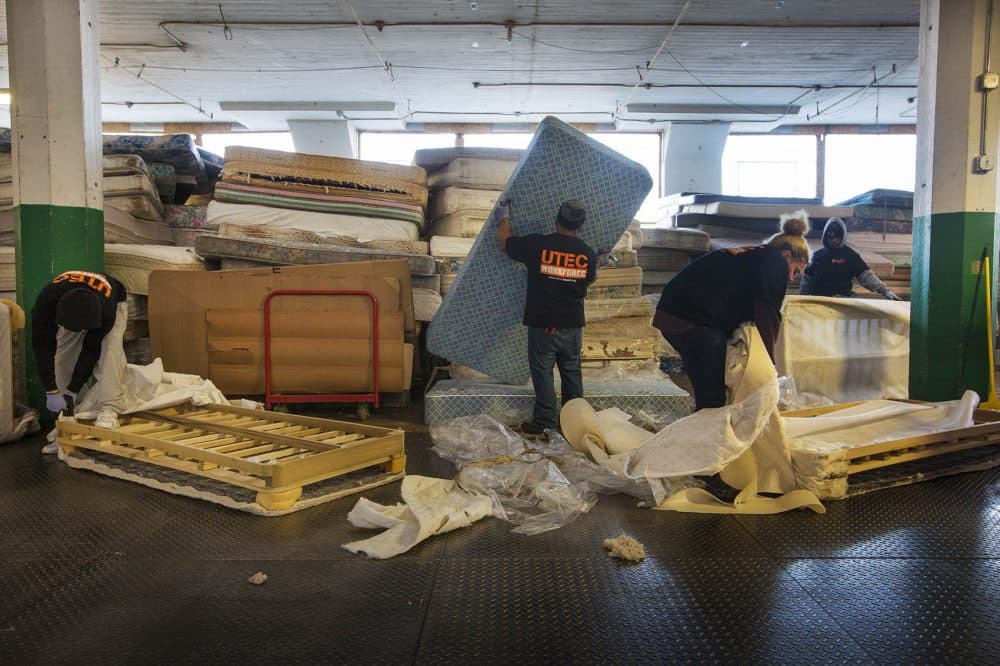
708, 300
78, 325
832, 269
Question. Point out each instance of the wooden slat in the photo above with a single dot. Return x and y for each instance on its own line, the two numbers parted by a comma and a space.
918, 454
372, 431
251, 434
273, 453
141, 441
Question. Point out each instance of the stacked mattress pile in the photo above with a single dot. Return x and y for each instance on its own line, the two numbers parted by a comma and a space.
619, 321
882, 223
740, 221
666, 251
132, 265
464, 184
187, 222
178, 167
133, 211
274, 208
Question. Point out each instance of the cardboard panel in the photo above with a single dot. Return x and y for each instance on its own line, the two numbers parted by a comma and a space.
179, 303
314, 352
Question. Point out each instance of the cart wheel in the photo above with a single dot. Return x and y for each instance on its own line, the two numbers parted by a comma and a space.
363, 412
280, 408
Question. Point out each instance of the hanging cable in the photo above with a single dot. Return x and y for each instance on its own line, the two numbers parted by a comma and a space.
652, 61
138, 75
226, 31
386, 65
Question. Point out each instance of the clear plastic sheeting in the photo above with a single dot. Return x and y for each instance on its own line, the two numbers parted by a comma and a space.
536, 486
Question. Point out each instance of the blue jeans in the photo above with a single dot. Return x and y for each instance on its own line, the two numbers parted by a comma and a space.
703, 351
546, 350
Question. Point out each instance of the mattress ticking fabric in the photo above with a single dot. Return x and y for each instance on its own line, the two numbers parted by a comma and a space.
362, 228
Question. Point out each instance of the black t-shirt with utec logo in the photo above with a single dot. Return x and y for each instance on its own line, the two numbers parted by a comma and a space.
559, 269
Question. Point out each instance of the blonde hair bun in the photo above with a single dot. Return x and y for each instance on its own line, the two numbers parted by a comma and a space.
795, 224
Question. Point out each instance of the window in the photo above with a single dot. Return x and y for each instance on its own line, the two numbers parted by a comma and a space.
856, 163
769, 166
216, 143
398, 147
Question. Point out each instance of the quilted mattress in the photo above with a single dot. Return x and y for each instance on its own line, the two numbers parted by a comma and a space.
437, 158
460, 224
132, 264
449, 399
663, 259
425, 303
333, 202
235, 216
601, 309
455, 199
291, 253
479, 323
693, 240
450, 246
477, 174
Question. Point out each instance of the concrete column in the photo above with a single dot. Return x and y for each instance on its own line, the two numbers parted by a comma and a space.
691, 159
335, 138
955, 203
56, 117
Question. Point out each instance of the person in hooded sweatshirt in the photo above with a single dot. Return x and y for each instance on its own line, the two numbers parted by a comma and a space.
834, 268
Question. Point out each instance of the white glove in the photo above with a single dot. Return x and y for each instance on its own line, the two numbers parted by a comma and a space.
501, 210
55, 402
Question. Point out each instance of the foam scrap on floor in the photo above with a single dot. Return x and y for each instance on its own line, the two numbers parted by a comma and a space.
625, 547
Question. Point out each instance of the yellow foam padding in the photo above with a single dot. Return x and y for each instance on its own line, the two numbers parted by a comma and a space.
17, 320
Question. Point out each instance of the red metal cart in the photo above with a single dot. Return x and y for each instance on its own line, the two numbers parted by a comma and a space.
363, 398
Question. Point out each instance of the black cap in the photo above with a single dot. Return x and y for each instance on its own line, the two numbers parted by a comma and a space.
572, 214
79, 310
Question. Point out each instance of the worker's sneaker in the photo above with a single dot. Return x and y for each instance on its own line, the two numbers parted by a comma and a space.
106, 419
50, 448
532, 430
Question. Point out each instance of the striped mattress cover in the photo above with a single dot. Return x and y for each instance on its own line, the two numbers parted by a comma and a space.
316, 225
336, 201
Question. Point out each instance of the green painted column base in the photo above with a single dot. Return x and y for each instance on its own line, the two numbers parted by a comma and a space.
949, 339
49, 241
